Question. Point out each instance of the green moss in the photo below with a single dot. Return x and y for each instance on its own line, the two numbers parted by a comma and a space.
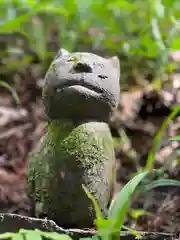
68, 157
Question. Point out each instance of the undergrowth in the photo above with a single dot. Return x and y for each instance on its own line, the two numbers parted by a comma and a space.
142, 33
110, 227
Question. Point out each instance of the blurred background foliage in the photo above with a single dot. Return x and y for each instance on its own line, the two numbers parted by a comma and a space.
142, 33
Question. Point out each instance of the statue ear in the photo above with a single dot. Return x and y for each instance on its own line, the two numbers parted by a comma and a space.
62, 52
115, 63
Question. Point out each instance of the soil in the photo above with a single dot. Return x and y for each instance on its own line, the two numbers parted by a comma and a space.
139, 116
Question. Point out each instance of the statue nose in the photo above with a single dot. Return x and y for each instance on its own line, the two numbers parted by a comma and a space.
81, 67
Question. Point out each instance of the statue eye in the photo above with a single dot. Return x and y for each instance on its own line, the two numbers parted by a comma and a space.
102, 76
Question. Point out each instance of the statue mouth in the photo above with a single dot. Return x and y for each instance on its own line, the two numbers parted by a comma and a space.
79, 87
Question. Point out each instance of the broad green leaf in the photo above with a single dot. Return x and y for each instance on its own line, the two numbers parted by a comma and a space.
56, 236
94, 237
53, 235
50, 9
122, 4
7, 235
169, 3
31, 2
18, 236
15, 24
30, 234
89, 238
123, 195
175, 45
119, 206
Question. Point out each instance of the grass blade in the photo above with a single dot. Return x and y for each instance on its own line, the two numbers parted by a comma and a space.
160, 183
119, 206
151, 155
177, 138
13, 92
99, 216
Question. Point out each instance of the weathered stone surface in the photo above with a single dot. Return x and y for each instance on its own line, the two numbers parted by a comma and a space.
81, 92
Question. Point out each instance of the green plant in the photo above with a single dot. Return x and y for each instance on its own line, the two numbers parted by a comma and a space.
107, 228
156, 142
143, 42
111, 227
13, 92
136, 213
176, 138
34, 234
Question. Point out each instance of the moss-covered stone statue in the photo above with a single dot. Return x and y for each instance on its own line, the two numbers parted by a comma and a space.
80, 93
